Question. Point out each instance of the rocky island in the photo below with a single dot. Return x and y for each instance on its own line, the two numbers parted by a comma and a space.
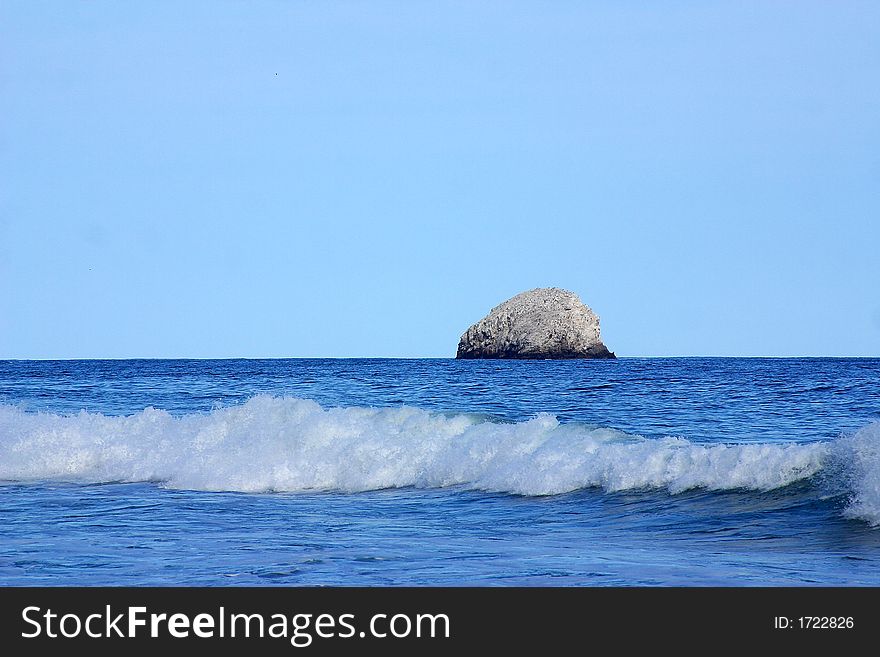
542, 323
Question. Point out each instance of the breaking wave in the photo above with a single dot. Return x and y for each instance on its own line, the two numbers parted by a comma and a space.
288, 444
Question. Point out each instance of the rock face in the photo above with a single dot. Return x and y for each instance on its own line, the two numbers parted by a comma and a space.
542, 323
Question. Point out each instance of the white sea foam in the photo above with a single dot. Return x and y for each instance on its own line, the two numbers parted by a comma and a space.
860, 454
286, 444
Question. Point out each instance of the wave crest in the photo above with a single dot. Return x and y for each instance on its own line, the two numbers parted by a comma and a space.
860, 454
288, 444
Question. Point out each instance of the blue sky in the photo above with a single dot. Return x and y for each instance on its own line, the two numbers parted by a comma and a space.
271, 179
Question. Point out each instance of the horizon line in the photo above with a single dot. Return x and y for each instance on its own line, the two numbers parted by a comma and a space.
229, 358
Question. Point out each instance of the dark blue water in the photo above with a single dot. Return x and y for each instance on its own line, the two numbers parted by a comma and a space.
290, 472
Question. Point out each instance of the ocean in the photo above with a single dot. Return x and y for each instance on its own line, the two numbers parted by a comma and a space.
654, 471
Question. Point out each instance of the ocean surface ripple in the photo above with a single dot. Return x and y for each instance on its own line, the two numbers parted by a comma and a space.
636, 471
